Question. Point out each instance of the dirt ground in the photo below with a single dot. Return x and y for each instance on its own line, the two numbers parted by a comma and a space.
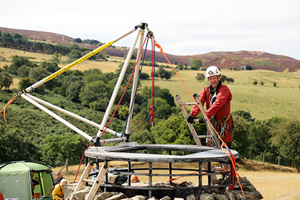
272, 181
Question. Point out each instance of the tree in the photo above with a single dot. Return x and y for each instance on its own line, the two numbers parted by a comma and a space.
196, 64
144, 76
16, 145
74, 54
262, 83
93, 91
23, 71
180, 67
285, 136
26, 82
50, 66
38, 73
73, 90
240, 136
17, 62
78, 40
5, 80
200, 77
159, 92
123, 112
57, 148
223, 78
172, 131
248, 67
162, 73
56, 57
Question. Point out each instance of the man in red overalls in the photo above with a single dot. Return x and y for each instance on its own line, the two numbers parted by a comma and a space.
217, 97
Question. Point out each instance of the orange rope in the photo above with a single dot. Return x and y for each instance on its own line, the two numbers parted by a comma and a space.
4, 109
202, 111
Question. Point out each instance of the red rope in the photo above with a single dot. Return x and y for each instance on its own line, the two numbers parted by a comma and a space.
233, 171
124, 90
152, 116
113, 113
81, 162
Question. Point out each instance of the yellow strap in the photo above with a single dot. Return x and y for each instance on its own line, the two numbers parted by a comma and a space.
78, 61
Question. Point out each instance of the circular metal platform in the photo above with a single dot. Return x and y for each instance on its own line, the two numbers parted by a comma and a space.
192, 153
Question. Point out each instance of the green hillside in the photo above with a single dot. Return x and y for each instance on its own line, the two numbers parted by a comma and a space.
262, 102
259, 122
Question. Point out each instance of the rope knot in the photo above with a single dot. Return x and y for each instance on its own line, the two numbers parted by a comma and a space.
152, 116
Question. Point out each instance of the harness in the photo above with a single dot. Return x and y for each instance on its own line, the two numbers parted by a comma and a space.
222, 124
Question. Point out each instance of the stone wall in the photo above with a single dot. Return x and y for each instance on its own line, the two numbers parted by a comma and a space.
210, 194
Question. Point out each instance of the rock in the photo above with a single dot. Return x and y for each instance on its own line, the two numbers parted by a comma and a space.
68, 189
81, 194
249, 190
139, 197
229, 194
118, 196
165, 198
238, 195
206, 196
220, 197
104, 195
191, 197
178, 198
152, 198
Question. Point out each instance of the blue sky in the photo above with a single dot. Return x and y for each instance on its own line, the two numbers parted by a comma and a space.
181, 27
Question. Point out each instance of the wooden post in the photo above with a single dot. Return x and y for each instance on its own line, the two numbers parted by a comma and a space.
264, 156
67, 164
278, 160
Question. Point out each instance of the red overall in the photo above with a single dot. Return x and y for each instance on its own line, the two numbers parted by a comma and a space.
220, 108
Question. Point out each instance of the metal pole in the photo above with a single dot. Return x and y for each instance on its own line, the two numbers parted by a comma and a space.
150, 179
135, 81
129, 170
170, 169
112, 140
74, 128
209, 171
41, 82
117, 87
72, 114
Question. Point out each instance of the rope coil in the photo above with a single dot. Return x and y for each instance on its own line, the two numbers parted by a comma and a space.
4, 109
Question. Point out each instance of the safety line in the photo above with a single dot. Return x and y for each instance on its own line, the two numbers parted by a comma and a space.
81, 161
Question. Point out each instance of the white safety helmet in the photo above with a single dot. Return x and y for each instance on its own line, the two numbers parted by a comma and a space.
212, 71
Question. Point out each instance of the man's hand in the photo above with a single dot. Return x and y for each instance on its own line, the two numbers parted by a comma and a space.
190, 119
201, 120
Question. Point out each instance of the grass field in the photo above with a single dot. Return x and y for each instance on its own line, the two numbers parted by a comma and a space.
262, 102
272, 181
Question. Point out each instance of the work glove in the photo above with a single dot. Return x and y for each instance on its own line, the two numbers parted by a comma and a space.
190, 119
201, 120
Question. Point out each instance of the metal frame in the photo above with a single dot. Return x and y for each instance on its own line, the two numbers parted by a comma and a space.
199, 154
96, 140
